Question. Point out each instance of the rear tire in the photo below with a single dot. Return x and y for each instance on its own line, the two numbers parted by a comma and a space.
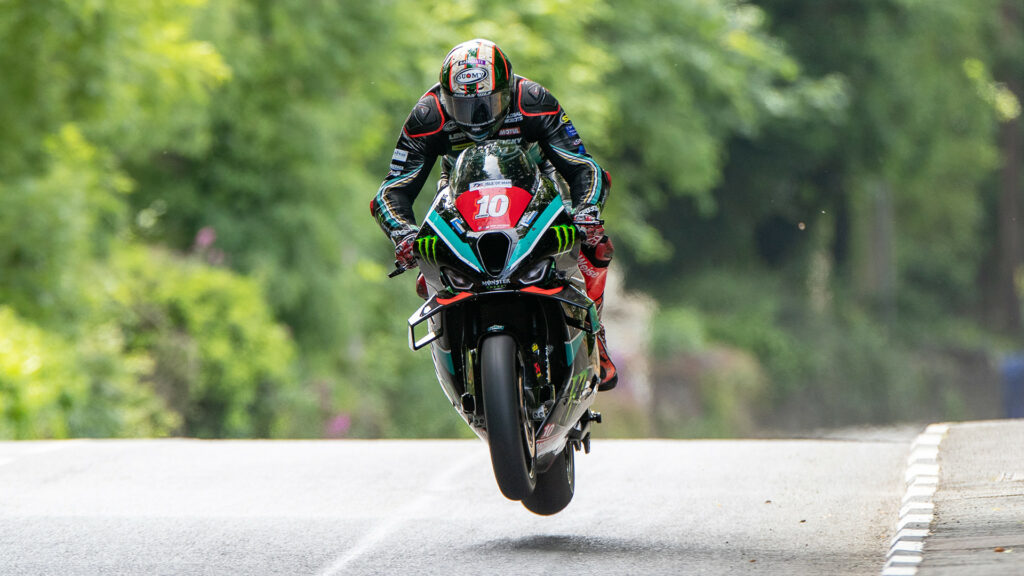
509, 431
554, 488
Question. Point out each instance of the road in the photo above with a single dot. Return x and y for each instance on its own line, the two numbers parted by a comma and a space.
979, 505
184, 507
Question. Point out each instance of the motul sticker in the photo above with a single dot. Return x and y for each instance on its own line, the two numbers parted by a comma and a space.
509, 131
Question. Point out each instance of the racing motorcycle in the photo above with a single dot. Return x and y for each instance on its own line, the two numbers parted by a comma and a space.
508, 321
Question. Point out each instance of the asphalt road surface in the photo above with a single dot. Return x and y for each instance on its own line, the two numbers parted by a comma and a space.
184, 507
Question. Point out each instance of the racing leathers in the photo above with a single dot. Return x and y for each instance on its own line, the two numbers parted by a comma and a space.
535, 121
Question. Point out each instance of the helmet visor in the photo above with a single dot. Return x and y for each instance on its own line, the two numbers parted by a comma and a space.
477, 114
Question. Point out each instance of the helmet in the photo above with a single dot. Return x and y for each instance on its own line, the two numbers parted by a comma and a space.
476, 87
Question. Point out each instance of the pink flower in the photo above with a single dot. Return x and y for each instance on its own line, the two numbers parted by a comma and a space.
339, 426
205, 237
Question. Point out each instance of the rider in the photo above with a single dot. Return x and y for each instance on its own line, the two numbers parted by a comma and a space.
478, 99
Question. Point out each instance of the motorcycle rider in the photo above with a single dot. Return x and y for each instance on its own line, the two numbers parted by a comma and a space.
479, 99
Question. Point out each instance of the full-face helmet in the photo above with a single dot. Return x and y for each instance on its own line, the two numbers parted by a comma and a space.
476, 87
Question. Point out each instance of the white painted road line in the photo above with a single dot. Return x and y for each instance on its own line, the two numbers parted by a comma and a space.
900, 571
918, 511
35, 449
400, 517
916, 470
917, 508
920, 493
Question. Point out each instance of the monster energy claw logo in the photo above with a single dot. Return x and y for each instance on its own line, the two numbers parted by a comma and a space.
566, 236
427, 247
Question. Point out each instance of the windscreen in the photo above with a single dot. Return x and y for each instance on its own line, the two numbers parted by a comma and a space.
493, 184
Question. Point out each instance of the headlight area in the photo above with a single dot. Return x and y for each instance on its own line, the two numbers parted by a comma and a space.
456, 280
536, 273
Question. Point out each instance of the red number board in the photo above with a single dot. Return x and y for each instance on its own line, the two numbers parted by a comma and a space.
493, 208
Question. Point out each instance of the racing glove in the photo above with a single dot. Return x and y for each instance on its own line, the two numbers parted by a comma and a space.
588, 221
404, 258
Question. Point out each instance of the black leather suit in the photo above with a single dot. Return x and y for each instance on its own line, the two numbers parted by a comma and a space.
534, 118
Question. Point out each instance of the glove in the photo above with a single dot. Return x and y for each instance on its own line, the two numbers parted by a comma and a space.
588, 221
404, 258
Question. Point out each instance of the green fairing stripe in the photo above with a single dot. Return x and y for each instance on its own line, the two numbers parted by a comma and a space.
451, 239
595, 189
570, 349
526, 244
389, 214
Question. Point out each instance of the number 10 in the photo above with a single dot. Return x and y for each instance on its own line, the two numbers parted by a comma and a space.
492, 206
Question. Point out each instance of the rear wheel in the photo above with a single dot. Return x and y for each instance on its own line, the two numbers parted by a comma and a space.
510, 433
555, 487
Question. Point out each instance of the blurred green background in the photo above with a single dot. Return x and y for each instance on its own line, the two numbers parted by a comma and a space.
817, 209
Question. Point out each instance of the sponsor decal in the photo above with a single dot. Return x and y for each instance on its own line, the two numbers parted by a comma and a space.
471, 76
570, 131
450, 126
427, 247
529, 217
586, 268
577, 142
566, 236
460, 147
394, 173
509, 131
495, 283
458, 137
565, 118
395, 167
458, 225
514, 117
490, 184
400, 155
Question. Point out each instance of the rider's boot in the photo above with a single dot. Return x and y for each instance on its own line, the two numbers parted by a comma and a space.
609, 375
593, 262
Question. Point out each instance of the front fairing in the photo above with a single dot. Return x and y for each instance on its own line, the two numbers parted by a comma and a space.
495, 258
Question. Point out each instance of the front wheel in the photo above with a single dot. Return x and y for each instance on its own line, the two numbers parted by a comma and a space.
510, 433
555, 487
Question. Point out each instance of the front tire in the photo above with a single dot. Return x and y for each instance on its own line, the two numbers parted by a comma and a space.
510, 433
555, 487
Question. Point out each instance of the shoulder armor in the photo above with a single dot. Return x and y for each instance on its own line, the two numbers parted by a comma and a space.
426, 117
535, 100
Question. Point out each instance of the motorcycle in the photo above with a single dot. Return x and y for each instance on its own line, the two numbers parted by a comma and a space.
511, 330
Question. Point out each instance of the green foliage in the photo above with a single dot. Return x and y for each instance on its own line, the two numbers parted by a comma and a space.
781, 168
681, 87
217, 356
51, 388
678, 330
842, 363
54, 225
